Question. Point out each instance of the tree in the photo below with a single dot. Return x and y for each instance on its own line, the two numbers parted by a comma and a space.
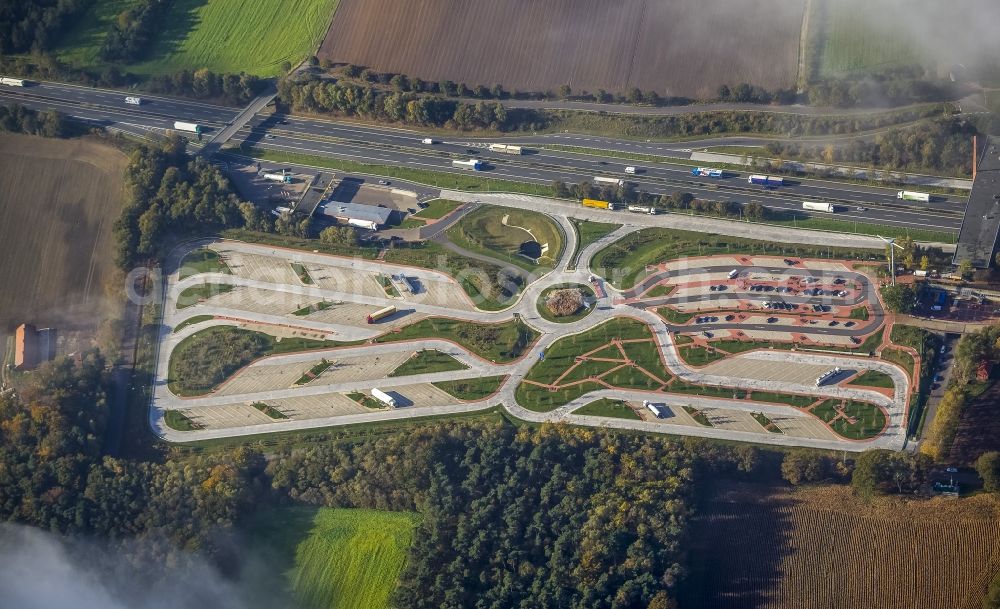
925, 263
965, 269
899, 298
804, 466
885, 471
988, 467
339, 235
565, 91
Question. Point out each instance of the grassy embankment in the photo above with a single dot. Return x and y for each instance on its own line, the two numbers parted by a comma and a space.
471, 390
484, 232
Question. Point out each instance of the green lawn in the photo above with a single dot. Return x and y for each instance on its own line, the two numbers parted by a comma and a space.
859, 313
322, 558
799, 401
589, 299
303, 274
699, 356
869, 419
471, 390
484, 231
503, 342
608, 408
659, 290
426, 362
202, 261
195, 294
588, 232
253, 36
874, 378
438, 208
624, 261
674, 316
176, 420
900, 357
190, 321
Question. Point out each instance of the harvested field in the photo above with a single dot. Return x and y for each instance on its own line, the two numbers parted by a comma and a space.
817, 548
58, 200
673, 47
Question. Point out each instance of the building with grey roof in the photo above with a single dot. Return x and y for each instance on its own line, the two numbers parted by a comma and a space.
977, 240
365, 216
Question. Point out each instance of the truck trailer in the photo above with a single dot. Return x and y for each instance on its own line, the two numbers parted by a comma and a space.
598, 204
506, 149
706, 172
767, 181
473, 164
615, 181
656, 409
132, 100
12, 82
381, 314
907, 195
284, 178
189, 127
383, 397
812, 206
642, 209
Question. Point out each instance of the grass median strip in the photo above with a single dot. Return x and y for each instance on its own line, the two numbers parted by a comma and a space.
472, 390
195, 294
428, 361
314, 372
203, 261
269, 410
366, 400
607, 407
303, 274
500, 343
588, 232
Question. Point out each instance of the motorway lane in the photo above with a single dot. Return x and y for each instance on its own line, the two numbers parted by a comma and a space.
591, 164
543, 167
510, 170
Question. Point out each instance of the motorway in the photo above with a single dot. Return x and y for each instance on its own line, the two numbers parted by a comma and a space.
402, 147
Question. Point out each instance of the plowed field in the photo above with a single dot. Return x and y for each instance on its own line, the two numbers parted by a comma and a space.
675, 47
58, 200
822, 548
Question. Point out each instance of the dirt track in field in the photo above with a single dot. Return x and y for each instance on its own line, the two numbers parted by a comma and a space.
58, 201
675, 47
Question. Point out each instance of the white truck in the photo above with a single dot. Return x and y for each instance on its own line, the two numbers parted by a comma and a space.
506, 149
133, 100
614, 181
907, 195
631, 170
473, 164
12, 82
813, 206
284, 178
642, 209
383, 397
428, 140
189, 127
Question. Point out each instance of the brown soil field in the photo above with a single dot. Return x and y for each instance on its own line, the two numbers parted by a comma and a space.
978, 428
675, 47
58, 201
822, 548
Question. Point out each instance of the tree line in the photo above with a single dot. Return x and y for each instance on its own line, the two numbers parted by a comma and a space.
33, 25
129, 35
15, 118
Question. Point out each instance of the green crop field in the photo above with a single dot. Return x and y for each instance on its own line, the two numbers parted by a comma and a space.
254, 36
324, 558
854, 43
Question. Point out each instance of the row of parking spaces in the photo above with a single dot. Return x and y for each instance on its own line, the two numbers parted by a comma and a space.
226, 416
271, 269
765, 370
256, 300
264, 376
739, 420
353, 314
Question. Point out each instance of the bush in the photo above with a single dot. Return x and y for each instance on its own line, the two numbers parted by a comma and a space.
803, 467
988, 466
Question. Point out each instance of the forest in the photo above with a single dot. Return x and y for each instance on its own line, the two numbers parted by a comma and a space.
33, 25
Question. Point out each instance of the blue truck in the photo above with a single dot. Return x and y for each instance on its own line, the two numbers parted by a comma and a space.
706, 172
